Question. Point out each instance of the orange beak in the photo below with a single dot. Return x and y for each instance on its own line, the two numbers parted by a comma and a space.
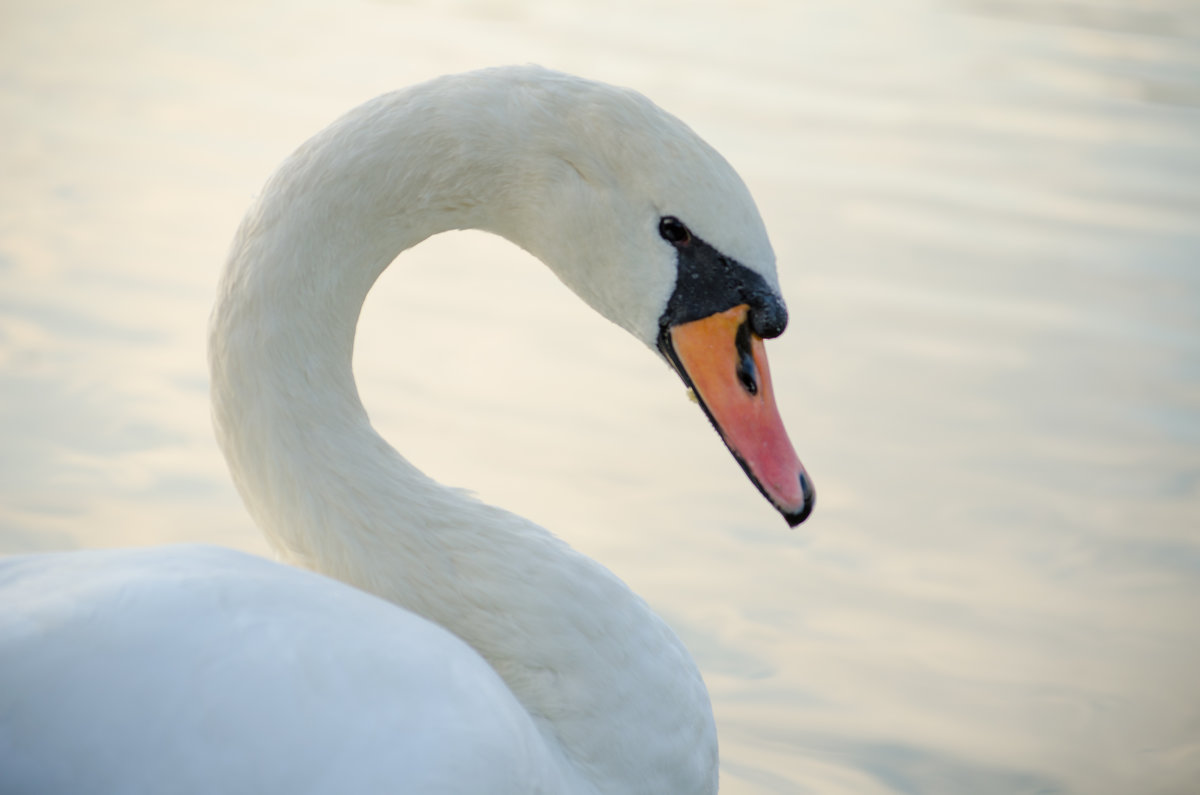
725, 363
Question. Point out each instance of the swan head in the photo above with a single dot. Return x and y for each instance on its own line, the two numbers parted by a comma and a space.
654, 229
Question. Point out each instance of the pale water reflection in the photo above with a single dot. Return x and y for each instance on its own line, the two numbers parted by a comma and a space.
987, 217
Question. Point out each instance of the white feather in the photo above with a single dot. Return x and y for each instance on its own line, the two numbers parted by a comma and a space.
501, 661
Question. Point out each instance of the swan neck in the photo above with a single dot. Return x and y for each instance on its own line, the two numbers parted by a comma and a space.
605, 679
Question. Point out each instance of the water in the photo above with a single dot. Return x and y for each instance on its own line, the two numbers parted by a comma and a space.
987, 216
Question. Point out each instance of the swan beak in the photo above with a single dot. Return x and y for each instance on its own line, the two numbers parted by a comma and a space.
725, 364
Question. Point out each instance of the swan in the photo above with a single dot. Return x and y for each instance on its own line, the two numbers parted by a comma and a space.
412, 639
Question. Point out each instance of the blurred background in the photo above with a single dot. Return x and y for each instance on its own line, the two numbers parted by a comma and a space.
987, 220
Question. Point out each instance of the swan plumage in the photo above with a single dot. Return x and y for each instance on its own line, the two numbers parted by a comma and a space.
475, 652
280, 671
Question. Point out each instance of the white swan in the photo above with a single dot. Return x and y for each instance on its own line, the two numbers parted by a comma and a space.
516, 665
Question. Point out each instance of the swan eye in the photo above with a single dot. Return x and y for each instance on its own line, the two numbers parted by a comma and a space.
673, 231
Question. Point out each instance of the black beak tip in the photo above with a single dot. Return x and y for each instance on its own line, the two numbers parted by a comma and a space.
810, 499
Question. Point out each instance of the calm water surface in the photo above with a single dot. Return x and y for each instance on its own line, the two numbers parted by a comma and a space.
987, 217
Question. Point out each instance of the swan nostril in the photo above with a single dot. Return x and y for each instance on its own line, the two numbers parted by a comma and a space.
747, 371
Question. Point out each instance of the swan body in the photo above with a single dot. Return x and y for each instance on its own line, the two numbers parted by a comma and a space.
274, 660
421, 641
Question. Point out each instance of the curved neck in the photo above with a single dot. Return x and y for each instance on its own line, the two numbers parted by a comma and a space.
578, 649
